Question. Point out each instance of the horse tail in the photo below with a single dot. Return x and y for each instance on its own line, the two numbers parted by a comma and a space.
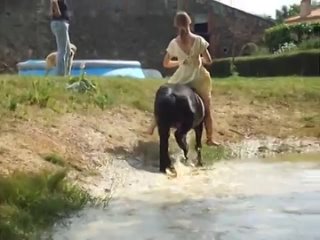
165, 104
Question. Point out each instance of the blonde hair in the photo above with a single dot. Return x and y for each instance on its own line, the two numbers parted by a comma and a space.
182, 21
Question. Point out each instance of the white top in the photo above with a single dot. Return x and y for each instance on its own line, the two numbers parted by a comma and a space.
189, 64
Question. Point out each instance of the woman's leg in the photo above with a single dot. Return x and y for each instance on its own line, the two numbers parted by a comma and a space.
206, 98
68, 55
203, 88
152, 127
60, 30
55, 29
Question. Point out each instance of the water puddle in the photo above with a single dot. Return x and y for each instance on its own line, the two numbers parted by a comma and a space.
256, 199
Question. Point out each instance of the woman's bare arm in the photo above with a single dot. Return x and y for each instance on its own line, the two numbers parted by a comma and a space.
168, 63
206, 58
55, 10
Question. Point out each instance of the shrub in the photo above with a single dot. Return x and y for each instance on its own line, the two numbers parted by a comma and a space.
32, 203
298, 63
312, 43
304, 63
276, 36
221, 68
249, 49
286, 47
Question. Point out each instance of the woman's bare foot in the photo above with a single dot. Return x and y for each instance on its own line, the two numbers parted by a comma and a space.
210, 142
150, 131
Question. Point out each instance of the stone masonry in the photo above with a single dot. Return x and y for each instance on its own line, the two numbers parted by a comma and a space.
123, 29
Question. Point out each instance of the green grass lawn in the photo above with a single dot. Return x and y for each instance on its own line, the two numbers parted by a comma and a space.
298, 89
18, 92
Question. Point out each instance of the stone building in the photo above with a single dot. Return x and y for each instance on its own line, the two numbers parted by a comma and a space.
124, 29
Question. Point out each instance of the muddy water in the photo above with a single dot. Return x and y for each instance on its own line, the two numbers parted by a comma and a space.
257, 199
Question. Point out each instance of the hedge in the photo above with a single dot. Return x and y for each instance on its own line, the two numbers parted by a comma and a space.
278, 35
304, 63
221, 67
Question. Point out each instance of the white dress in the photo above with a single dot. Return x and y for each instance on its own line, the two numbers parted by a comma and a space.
190, 65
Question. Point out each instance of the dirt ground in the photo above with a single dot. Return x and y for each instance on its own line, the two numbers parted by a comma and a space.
87, 141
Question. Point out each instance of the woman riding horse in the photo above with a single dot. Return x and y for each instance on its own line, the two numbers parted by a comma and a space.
188, 47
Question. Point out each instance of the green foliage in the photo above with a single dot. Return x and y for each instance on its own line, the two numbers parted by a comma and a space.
39, 93
249, 49
286, 48
12, 104
103, 101
312, 43
139, 94
276, 36
302, 63
286, 12
221, 68
211, 154
20, 92
81, 84
31, 203
297, 63
300, 92
292, 10
55, 159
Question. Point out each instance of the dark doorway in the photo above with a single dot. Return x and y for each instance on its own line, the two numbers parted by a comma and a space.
202, 30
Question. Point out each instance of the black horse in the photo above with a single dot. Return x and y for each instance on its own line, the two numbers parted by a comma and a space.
180, 107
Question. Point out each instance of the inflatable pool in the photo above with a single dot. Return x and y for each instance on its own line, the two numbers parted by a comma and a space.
92, 67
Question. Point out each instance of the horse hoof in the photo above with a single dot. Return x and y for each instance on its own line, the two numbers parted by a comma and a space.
171, 172
184, 161
199, 164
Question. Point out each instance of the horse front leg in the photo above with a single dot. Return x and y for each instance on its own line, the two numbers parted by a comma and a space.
165, 161
198, 146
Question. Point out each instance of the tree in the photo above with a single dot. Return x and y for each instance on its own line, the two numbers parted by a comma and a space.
286, 12
292, 10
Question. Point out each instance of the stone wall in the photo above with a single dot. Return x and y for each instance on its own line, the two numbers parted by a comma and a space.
23, 26
228, 28
118, 29
128, 32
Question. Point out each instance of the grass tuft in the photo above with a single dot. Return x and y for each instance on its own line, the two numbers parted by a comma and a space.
32, 203
13, 104
55, 159
212, 154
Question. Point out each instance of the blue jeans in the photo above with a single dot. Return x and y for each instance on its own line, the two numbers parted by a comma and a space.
60, 29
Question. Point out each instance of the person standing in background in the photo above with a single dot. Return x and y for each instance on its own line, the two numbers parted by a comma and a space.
60, 28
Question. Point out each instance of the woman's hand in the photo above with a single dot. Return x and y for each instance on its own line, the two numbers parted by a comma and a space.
168, 63
206, 58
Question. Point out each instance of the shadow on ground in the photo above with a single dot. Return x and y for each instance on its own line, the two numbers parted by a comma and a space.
143, 156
